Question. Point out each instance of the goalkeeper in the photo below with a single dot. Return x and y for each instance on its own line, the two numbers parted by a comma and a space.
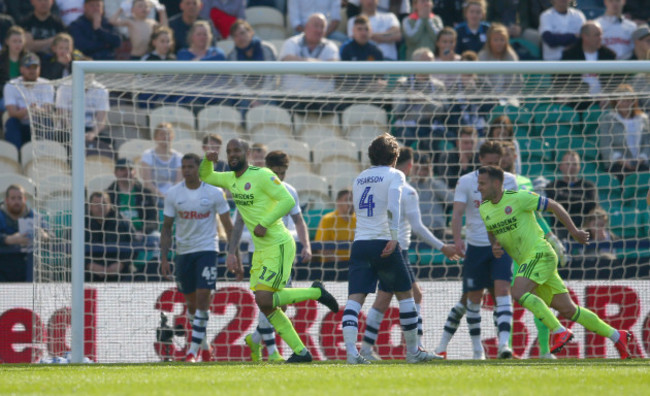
508, 161
512, 228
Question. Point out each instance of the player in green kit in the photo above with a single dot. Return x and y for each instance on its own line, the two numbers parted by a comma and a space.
509, 217
508, 161
262, 200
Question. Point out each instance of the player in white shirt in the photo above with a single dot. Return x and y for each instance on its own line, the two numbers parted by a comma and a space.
278, 162
410, 220
375, 254
385, 27
559, 27
617, 30
481, 270
193, 206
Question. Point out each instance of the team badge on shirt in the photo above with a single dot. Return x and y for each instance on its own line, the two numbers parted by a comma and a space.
508, 210
276, 180
247, 186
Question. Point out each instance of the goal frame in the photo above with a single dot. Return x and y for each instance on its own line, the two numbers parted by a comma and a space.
81, 68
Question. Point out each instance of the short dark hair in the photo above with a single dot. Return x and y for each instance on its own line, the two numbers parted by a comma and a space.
240, 23
257, 147
405, 155
490, 147
343, 193
17, 187
502, 121
276, 158
383, 150
243, 143
96, 194
192, 156
361, 20
469, 56
467, 130
494, 172
212, 136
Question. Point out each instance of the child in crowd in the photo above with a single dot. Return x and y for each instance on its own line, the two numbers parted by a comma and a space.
161, 45
140, 26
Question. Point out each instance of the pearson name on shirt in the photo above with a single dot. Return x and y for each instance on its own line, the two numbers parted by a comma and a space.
370, 179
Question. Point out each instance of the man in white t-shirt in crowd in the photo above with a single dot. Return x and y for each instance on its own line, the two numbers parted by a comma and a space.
309, 46
400, 8
194, 206
38, 98
617, 30
278, 162
590, 48
300, 10
385, 27
69, 10
559, 27
97, 106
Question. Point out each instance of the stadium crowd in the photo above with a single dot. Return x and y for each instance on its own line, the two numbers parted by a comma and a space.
42, 38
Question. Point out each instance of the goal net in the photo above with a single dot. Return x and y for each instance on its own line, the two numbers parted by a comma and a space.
581, 138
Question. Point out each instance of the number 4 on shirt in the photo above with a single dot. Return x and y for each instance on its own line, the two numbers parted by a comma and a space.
366, 202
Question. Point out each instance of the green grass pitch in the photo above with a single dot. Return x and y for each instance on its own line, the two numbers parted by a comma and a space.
524, 377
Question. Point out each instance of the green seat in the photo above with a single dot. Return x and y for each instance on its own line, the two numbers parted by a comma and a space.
555, 120
635, 185
534, 151
426, 257
533, 171
629, 223
609, 188
312, 219
590, 119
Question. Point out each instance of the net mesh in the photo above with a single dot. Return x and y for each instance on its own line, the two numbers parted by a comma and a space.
325, 124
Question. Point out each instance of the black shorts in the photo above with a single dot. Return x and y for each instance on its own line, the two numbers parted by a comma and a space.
481, 268
196, 270
367, 268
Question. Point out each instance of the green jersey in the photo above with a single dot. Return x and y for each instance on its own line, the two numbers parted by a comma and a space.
512, 222
261, 198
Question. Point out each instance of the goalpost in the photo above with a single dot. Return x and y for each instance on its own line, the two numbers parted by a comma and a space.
326, 134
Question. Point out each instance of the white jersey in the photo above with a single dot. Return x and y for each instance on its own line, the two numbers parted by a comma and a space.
554, 22
376, 195
195, 213
69, 10
467, 193
411, 220
617, 35
287, 220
